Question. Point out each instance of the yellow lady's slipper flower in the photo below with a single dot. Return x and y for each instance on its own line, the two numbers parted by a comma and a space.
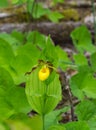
44, 73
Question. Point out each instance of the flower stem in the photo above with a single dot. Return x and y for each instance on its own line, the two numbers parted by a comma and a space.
43, 120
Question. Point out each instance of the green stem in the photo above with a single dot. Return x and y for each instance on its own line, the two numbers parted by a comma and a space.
43, 120
93, 11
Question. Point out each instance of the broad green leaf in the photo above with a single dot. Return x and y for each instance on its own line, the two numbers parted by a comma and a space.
6, 83
17, 98
18, 125
6, 53
37, 119
4, 126
30, 6
63, 60
42, 98
83, 83
55, 16
37, 39
85, 110
23, 122
18, 68
49, 53
6, 109
50, 78
4, 3
82, 40
18, 36
92, 123
80, 59
52, 118
76, 84
31, 51
22, 64
11, 40
12, 99
89, 86
53, 94
57, 127
80, 125
41, 11
93, 61
35, 90
38, 10
85, 69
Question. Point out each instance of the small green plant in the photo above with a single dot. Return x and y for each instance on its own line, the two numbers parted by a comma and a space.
36, 10
30, 81
34, 65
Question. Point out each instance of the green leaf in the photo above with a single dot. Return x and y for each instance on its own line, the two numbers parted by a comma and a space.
63, 60
85, 110
37, 119
82, 40
76, 84
55, 16
80, 59
53, 94
37, 39
35, 90
52, 118
31, 51
57, 127
6, 53
49, 53
18, 36
85, 69
4, 3
50, 78
38, 10
80, 125
22, 64
19, 2
83, 84
12, 99
23, 122
4, 126
17, 98
11, 40
14, 1
6, 82
5, 109
92, 123
19, 66
18, 125
58, 1
89, 86
93, 61
42, 98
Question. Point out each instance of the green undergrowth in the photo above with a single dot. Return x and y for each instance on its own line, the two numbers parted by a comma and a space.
21, 90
